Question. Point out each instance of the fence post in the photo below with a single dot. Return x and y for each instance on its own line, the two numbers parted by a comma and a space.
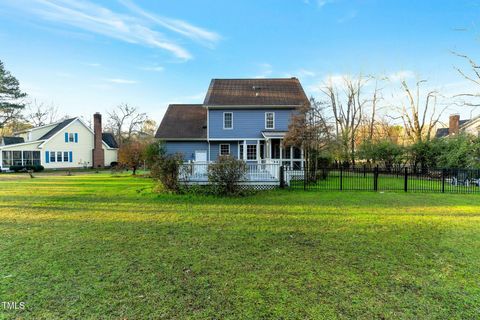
443, 180
375, 179
341, 178
282, 176
405, 185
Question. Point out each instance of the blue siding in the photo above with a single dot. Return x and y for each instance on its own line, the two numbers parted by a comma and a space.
215, 149
186, 148
246, 123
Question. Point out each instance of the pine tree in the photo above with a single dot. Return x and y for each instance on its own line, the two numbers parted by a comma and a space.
10, 97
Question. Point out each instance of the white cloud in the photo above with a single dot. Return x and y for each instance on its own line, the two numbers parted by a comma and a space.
266, 70
322, 3
97, 19
401, 75
347, 17
154, 68
306, 73
121, 81
94, 64
179, 26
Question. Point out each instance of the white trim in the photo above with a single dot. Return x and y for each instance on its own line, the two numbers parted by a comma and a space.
68, 125
273, 113
293, 106
220, 149
223, 118
182, 139
21, 144
235, 139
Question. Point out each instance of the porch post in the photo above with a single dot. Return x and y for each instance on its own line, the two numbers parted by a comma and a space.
281, 152
291, 157
244, 150
268, 150
258, 151
301, 157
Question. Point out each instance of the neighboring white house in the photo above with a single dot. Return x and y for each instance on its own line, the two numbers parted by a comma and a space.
456, 126
69, 143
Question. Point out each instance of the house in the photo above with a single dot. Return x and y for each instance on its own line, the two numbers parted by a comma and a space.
244, 118
456, 126
69, 143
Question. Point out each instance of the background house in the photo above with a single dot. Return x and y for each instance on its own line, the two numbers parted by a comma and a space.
456, 126
69, 143
243, 118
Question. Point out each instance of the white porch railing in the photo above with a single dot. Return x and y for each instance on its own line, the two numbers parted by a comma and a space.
256, 172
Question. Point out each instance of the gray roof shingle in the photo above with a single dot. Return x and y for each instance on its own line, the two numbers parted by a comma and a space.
183, 121
56, 129
109, 139
12, 140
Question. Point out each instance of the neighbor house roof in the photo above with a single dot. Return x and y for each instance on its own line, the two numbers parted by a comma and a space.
109, 139
11, 140
443, 132
255, 92
56, 129
183, 121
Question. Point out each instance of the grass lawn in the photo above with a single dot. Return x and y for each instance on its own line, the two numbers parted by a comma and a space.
96, 246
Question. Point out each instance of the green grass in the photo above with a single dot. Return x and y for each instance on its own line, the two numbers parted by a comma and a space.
97, 246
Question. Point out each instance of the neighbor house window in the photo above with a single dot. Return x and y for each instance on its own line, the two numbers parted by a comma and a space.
65, 156
224, 149
240, 151
52, 156
71, 137
59, 156
269, 120
252, 152
227, 120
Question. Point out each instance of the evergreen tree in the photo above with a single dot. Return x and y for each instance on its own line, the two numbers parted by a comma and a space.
10, 97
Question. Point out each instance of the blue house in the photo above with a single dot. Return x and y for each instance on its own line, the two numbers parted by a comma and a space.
243, 118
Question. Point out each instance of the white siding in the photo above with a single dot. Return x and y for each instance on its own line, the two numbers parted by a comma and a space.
81, 151
110, 156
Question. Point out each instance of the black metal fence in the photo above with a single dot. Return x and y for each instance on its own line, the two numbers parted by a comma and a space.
408, 179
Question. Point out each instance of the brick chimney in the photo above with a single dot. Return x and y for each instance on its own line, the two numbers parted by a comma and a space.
454, 124
98, 153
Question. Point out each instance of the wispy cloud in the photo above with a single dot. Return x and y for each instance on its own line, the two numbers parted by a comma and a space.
153, 68
322, 3
306, 73
131, 28
348, 16
179, 26
266, 70
401, 75
120, 81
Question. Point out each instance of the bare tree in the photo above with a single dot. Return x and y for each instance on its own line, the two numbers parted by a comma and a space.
125, 121
420, 116
348, 105
474, 77
311, 130
40, 114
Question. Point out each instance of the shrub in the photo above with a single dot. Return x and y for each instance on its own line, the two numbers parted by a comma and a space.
166, 170
225, 175
34, 168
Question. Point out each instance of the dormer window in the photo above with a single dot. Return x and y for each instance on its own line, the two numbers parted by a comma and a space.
227, 120
269, 120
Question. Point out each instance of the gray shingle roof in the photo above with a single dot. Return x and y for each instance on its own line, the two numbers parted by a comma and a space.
183, 121
109, 139
12, 140
441, 132
56, 129
253, 92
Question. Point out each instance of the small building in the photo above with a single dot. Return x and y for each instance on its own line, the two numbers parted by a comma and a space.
69, 143
243, 118
456, 126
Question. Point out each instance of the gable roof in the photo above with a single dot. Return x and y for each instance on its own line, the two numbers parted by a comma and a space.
109, 140
255, 92
56, 129
443, 132
183, 121
12, 140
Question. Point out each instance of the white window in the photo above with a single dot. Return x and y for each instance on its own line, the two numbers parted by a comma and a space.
65, 156
269, 120
251, 152
227, 120
59, 156
53, 156
71, 137
240, 151
224, 149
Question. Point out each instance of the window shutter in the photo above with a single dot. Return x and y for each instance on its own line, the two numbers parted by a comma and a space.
70, 156
47, 157
76, 137
66, 136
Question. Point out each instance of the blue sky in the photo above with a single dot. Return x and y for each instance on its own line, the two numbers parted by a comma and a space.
87, 56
